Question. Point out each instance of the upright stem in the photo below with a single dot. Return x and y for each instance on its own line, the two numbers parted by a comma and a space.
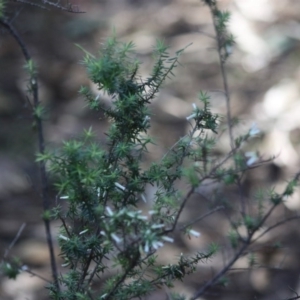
41, 144
222, 58
220, 40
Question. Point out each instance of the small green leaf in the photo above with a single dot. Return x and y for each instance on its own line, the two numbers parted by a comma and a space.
192, 177
47, 215
10, 270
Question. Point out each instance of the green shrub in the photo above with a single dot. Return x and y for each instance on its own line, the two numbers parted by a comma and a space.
102, 226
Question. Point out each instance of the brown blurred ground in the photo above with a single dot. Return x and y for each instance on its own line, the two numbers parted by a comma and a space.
264, 78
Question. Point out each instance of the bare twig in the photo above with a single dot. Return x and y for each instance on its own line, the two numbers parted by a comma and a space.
221, 273
186, 198
14, 240
202, 217
246, 243
68, 7
27, 270
238, 254
276, 225
294, 298
220, 38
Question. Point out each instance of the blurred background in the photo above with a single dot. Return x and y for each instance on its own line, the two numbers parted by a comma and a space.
263, 74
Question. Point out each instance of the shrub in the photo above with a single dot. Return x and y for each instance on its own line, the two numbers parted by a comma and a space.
102, 226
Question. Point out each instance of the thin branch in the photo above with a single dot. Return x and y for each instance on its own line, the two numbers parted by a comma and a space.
41, 145
202, 217
134, 262
11, 245
247, 243
85, 271
210, 283
16, 36
23, 268
27, 270
207, 34
293, 298
31, 4
227, 267
186, 198
255, 268
219, 38
276, 225
68, 7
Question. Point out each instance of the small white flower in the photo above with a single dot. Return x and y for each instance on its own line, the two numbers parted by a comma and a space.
116, 238
194, 233
252, 158
147, 232
147, 118
63, 237
143, 198
157, 244
83, 231
146, 248
228, 49
120, 186
65, 265
157, 226
109, 211
131, 214
64, 197
24, 268
254, 130
167, 239
192, 116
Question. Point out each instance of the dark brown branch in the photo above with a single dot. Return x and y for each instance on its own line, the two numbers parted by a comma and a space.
27, 270
11, 245
246, 244
41, 145
202, 217
186, 198
294, 298
276, 225
222, 272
